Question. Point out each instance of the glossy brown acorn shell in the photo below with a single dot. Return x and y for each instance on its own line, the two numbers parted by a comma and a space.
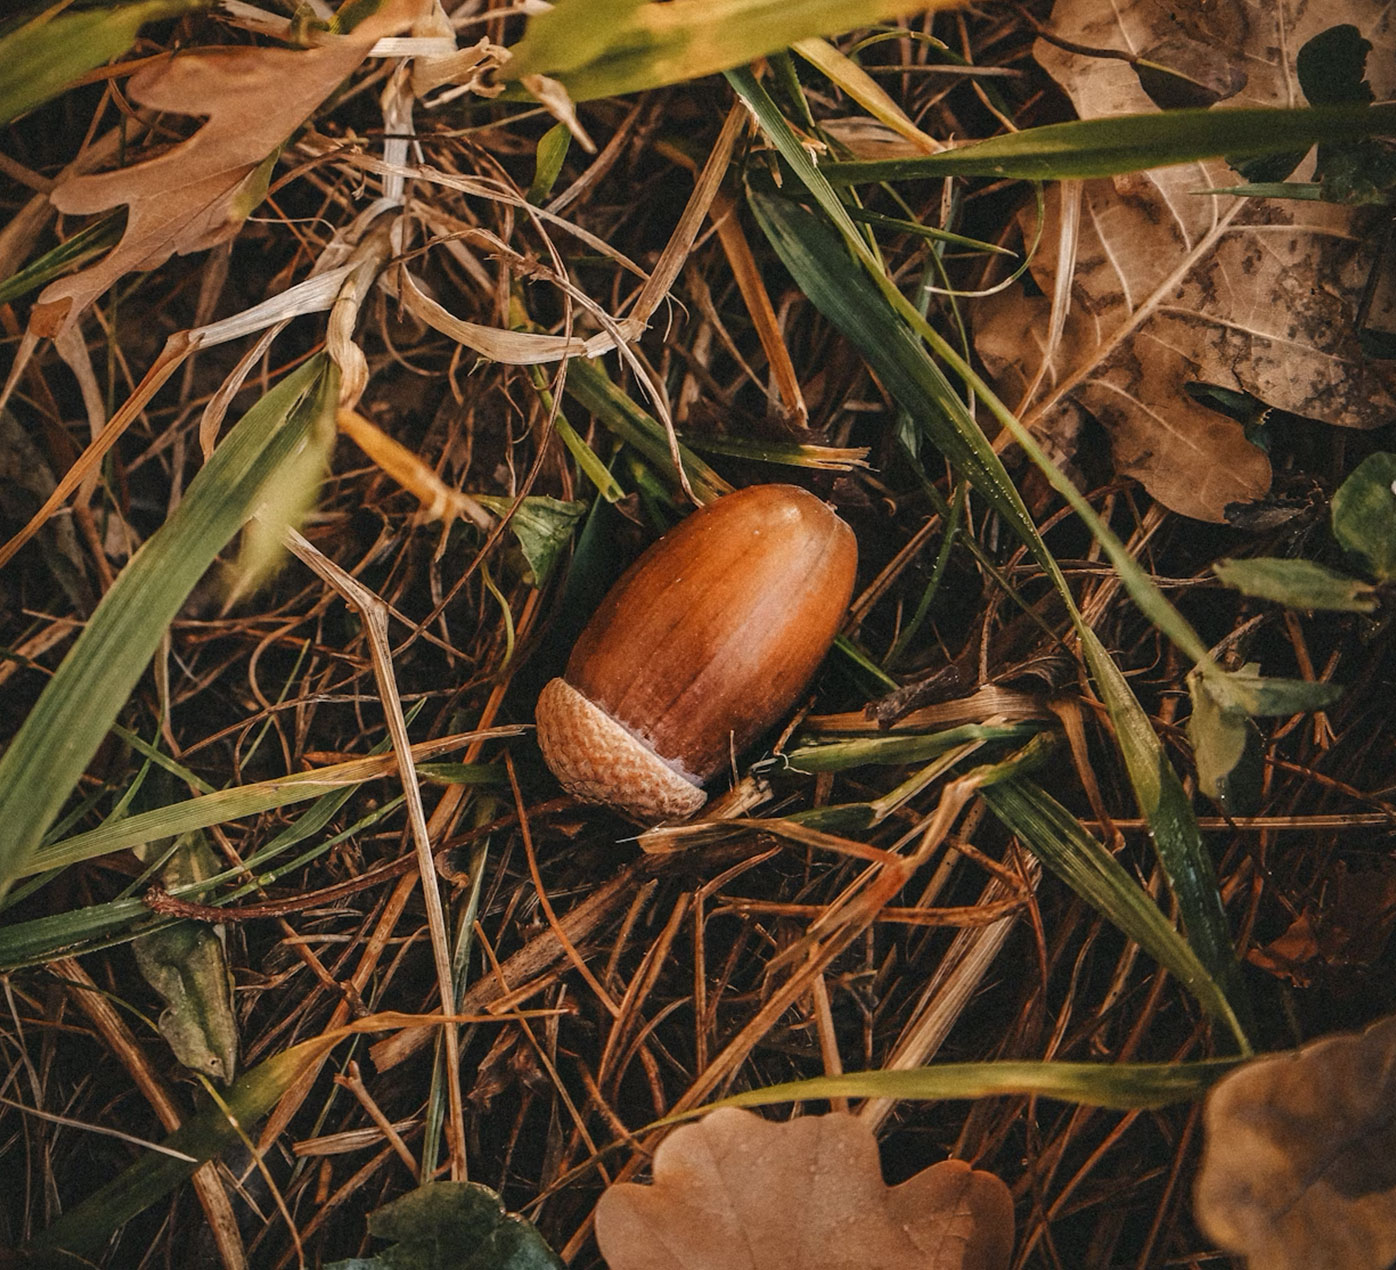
714, 632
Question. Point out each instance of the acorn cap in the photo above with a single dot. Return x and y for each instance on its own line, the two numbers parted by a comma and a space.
600, 762
708, 639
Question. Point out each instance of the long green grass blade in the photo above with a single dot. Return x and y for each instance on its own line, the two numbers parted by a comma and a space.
42, 57
1130, 143
81, 701
892, 337
84, 1229
1120, 1085
1056, 838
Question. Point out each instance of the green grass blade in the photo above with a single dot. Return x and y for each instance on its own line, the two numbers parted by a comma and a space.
81, 701
601, 48
1119, 1085
591, 388
83, 246
84, 1229
892, 337
896, 751
1055, 837
1130, 143
42, 57
336, 781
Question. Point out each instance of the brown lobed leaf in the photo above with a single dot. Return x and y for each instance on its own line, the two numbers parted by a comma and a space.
734, 1191
1299, 1164
197, 193
1171, 285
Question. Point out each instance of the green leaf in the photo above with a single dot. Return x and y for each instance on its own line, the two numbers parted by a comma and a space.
543, 527
42, 57
1364, 515
1130, 143
453, 1226
1260, 696
186, 963
1224, 702
1218, 735
81, 701
1301, 584
601, 48
552, 151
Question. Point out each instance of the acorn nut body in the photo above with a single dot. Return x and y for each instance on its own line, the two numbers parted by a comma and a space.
704, 643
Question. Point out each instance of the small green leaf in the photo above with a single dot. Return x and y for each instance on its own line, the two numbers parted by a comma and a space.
1223, 703
1261, 696
186, 963
543, 527
1218, 735
1364, 515
453, 1226
552, 150
1301, 584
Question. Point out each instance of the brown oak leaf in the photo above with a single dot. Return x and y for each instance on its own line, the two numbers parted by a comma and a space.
1171, 285
197, 193
736, 1192
1299, 1167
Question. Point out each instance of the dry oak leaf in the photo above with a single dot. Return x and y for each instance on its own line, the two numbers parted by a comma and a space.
1299, 1165
197, 193
1171, 285
736, 1192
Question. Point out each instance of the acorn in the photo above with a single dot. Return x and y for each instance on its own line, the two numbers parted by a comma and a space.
704, 643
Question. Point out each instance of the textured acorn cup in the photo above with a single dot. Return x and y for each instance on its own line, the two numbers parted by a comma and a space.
704, 643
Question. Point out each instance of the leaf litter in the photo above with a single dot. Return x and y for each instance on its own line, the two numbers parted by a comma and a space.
599, 990
1170, 285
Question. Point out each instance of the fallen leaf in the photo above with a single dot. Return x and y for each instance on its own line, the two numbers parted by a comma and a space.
735, 1191
1299, 1164
1171, 285
1289, 956
453, 1226
197, 193
186, 962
